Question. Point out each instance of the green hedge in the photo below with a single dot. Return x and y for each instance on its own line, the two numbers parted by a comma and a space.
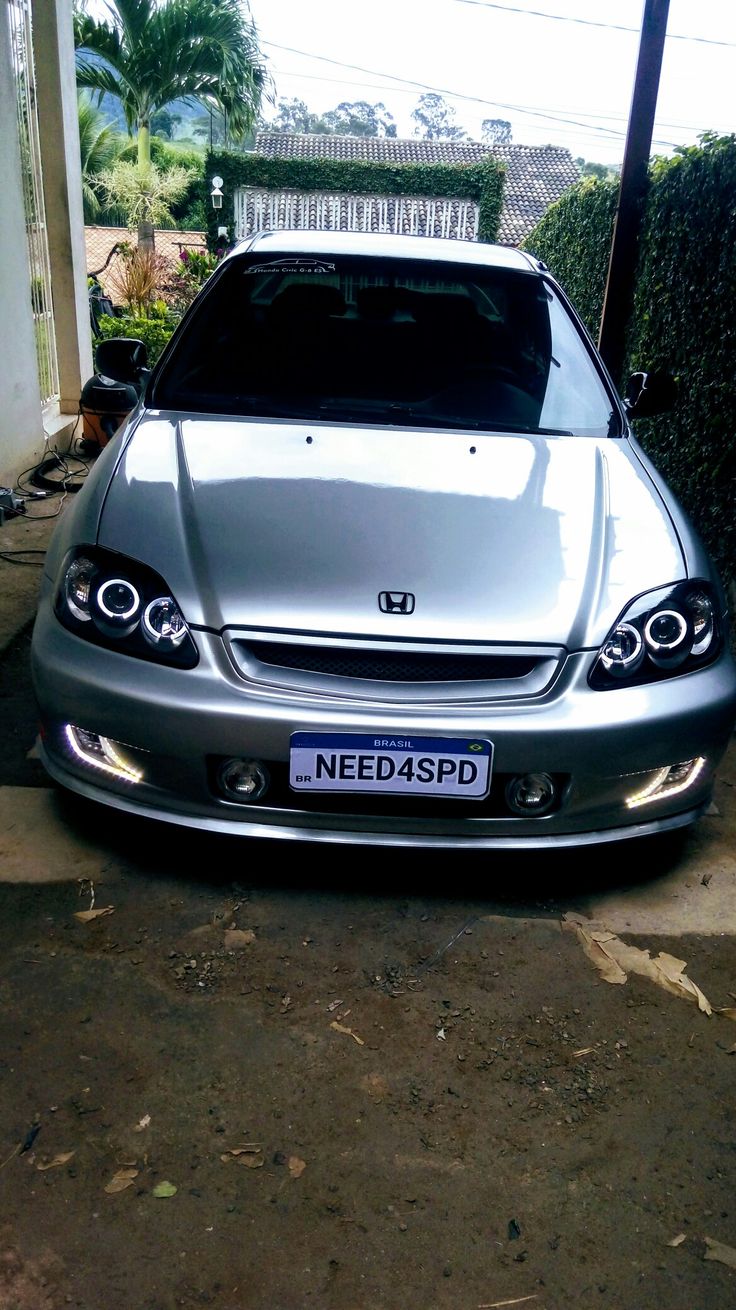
684, 317
482, 182
155, 332
574, 240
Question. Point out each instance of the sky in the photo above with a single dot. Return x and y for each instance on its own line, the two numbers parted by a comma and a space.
556, 80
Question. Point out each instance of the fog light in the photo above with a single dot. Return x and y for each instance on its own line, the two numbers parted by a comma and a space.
668, 781
531, 793
101, 753
243, 780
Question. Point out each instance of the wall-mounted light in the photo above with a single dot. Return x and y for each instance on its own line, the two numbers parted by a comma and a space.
216, 193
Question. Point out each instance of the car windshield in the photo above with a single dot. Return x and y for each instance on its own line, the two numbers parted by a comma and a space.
386, 341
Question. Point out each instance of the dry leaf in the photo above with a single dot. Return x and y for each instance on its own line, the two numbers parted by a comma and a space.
728, 1011
340, 1028
296, 1166
122, 1179
86, 916
250, 1155
237, 937
677, 1241
57, 1161
615, 960
142, 1124
251, 1161
719, 1251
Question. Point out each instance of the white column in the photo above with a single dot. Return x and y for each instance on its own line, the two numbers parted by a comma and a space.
21, 431
62, 183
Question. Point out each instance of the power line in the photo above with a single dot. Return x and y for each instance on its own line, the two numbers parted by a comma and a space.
410, 91
588, 22
456, 95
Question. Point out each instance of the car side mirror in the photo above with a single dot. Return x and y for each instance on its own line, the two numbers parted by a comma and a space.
123, 359
648, 394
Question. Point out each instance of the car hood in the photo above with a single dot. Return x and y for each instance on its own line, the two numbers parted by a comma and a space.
500, 538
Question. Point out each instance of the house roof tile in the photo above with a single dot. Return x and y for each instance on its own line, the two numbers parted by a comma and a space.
536, 176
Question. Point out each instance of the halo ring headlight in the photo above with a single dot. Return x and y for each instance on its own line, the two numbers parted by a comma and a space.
163, 623
118, 600
665, 630
623, 650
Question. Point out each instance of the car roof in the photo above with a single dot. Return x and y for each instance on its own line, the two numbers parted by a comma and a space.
386, 245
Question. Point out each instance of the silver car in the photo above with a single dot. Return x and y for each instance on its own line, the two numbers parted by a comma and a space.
377, 559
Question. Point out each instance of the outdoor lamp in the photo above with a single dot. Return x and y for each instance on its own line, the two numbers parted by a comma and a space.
216, 194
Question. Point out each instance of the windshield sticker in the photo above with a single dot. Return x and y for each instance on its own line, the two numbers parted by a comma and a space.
292, 266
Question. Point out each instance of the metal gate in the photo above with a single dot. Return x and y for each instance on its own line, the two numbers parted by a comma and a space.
258, 210
21, 39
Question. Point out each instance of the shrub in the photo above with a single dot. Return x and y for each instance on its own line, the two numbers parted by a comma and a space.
574, 240
154, 332
137, 277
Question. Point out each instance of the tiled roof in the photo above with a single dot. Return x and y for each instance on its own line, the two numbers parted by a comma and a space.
535, 175
99, 241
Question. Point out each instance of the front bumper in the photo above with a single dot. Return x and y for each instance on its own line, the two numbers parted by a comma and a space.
601, 745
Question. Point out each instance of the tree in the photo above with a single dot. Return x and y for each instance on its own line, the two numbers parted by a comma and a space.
360, 119
435, 119
294, 116
99, 147
164, 123
496, 131
601, 171
347, 119
148, 53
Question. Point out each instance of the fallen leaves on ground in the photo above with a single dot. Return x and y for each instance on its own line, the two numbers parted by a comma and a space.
296, 1166
86, 916
719, 1251
122, 1179
615, 960
250, 1155
340, 1028
142, 1124
677, 1241
57, 1161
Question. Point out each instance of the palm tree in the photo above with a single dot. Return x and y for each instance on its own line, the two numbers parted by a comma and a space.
149, 53
99, 145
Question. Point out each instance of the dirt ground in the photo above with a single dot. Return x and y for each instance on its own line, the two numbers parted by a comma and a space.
376, 1081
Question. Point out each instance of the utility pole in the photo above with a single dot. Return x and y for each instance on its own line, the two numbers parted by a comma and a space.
619, 295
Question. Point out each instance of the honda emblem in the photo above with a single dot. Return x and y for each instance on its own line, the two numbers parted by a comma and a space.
396, 602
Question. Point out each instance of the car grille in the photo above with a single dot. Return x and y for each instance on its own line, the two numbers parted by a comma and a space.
392, 665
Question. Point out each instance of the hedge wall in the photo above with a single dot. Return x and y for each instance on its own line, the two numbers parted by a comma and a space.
684, 316
574, 240
482, 182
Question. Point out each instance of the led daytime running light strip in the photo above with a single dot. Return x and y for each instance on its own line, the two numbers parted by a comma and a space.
113, 764
655, 791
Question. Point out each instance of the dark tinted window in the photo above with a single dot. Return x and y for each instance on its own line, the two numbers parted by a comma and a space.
385, 341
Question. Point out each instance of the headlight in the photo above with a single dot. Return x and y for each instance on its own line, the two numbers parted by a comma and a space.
119, 603
673, 630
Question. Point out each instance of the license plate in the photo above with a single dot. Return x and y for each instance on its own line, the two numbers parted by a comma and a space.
399, 765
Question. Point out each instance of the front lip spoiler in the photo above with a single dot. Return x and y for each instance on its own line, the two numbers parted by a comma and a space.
415, 840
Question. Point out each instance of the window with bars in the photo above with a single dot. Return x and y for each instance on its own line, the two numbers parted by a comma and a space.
21, 37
